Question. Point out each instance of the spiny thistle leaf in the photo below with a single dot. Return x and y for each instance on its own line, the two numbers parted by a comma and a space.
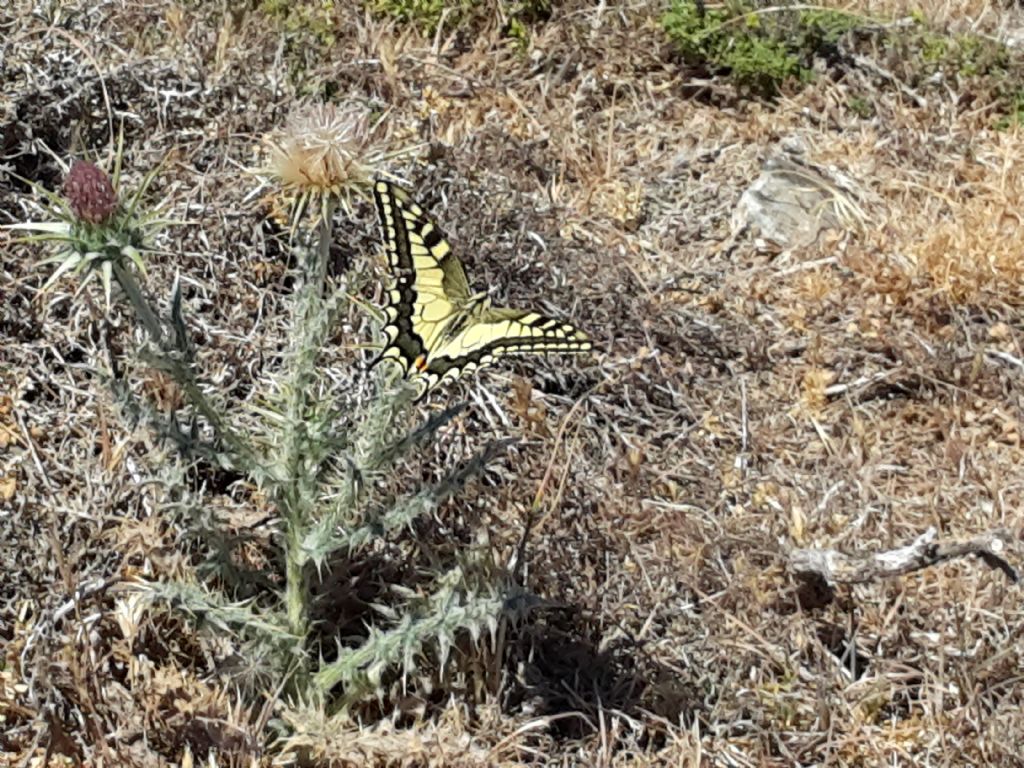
376, 424
406, 510
215, 609
435, 622
166, 426
425, 431
181, 338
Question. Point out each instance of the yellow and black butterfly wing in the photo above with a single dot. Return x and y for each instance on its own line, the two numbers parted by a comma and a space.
435, 329
429, 288
492, 333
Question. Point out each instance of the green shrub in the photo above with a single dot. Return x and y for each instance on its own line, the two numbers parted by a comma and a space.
426, 15
312, 19
957, 55
760, 49
423, 14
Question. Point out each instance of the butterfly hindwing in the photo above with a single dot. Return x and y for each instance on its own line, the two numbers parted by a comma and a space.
492, 333
436, 330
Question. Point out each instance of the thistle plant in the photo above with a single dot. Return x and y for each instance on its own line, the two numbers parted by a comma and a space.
326, 461
94, 230
97, 232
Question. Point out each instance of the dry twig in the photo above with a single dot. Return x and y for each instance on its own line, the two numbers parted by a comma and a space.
834, 567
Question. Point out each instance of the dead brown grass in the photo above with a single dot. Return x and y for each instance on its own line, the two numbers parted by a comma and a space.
958, 14
745, 399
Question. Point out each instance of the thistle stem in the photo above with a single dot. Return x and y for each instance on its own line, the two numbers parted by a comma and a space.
324, 235
296, 513
296, 596
142, 309
182, 373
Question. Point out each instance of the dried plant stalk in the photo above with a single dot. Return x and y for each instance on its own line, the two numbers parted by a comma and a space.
834, 567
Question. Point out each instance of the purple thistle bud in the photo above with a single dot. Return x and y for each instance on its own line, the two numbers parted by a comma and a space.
89, 192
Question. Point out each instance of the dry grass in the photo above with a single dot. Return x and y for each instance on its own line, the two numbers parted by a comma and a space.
744, 399
974, 14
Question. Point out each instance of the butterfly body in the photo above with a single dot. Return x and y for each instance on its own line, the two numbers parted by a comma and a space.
436, 329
